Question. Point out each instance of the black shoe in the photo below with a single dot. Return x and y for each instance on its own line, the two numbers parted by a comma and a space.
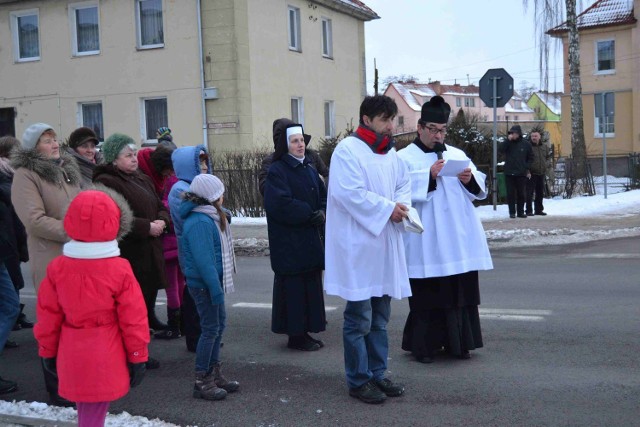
465, 355
56, 400
7, 386
541, 213
11, 344
424, 359
390, 389
152, 363
368, 393
22, 319
512, 215
522, 215
302, 344
529, 213
16, 326
310, 338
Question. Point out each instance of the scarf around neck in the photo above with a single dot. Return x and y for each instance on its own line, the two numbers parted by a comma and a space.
379, 144
91, 250
228, 256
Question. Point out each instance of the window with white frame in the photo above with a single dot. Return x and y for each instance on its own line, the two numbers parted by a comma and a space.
469, 102
85, 28
294, 28
329, 119
25, 30
327, 38
297, 110
149, 23
155, 115
91, 117
458, 102
604, 115
605, 56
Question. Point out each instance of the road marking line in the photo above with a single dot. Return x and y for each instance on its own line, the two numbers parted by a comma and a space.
515, 311
513, 317
268, 305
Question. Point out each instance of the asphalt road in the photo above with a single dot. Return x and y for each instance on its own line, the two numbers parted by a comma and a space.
561, 330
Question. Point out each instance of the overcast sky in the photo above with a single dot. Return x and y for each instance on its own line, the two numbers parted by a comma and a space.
455, 41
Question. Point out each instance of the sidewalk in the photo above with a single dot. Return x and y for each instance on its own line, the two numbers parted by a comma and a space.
250, 238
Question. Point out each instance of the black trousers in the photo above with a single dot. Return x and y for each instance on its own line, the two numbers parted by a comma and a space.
535, 186
516, 193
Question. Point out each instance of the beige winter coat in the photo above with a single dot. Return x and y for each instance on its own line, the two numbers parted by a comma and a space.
41, 192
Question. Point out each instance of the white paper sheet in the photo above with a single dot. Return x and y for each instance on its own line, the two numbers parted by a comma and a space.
453, 167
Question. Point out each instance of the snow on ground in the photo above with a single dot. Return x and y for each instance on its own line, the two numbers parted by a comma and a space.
41, 410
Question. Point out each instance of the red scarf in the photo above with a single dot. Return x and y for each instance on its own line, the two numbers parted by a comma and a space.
379, 144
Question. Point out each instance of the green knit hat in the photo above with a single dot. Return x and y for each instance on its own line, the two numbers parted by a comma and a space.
113, 145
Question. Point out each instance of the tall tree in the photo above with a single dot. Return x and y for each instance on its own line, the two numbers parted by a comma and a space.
547, 15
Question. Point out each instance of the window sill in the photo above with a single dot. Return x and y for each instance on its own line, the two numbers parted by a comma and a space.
293, 49
606, 135
604, 72
21, 60
329, 57
81, 54
150, 47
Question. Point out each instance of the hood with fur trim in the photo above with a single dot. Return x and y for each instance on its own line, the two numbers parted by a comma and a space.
49, 170
126, 214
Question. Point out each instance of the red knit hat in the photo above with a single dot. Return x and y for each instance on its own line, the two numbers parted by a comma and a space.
92, 216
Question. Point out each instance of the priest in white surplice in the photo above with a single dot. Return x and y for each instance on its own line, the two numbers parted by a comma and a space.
443, 262
369, 191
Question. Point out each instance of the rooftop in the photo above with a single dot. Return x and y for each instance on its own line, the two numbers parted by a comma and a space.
551, 100
602, 13
354, 8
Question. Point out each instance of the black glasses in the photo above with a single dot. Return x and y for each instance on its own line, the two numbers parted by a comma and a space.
434, 130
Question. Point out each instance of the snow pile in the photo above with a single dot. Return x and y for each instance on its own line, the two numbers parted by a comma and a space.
43, 411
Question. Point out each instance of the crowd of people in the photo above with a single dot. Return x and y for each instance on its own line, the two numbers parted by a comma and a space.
105, 230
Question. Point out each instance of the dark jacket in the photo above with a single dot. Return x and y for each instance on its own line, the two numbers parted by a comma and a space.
279, 126
86, 167
143, 251
540, 157
13, 237
294, 194
517, 156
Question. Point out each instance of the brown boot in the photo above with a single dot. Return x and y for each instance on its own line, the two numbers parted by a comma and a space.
206, 388
221, 381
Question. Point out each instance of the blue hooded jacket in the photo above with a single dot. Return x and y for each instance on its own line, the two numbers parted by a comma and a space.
201, 252
186, 164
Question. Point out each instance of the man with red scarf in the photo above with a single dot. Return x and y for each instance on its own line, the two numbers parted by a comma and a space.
369, 195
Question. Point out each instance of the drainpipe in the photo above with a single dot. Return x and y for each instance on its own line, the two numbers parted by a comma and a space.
205, 135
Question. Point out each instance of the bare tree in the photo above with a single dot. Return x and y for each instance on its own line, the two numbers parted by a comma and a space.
547, 15
526, 89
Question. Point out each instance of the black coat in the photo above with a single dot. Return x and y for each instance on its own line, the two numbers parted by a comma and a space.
293, 193
13, 237
518, 156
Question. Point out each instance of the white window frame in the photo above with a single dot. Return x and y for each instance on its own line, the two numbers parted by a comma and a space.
597, 61
16, 35
332, 118
139, 28
74, 26
596, 119
81, 121
327, 38
469, 101
300, 112
296, 46
143, 118
458, 101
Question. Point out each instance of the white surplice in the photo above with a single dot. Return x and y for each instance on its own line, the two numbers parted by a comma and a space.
453, 240
364, 250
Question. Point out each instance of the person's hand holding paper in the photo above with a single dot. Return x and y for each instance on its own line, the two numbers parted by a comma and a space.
453, 167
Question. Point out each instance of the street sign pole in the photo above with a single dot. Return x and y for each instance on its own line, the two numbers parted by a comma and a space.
603, 120
495, 143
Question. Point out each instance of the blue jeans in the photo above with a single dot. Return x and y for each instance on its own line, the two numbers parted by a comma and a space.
9, 305
212, 323
365, 339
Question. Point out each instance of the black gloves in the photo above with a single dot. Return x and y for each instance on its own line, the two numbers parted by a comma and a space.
317, 218
136, 373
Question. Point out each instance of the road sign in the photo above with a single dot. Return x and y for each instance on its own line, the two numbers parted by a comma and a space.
504, 87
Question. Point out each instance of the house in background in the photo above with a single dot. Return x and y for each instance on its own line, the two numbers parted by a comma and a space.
609, 73
411, 95
546, 105
214, 71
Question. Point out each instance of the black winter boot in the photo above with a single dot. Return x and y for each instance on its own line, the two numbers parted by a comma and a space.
206, 388
7, 386
221, 381
154, 322
22, 319
173, 329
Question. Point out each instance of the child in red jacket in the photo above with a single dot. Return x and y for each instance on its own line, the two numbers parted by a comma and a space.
92, 328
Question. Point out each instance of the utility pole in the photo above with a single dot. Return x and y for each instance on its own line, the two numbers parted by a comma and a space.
375, 76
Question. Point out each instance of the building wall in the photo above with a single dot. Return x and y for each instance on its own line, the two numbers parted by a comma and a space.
625, 83
120, 76
545, 113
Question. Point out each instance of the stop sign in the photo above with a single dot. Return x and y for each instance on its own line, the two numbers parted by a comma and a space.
504, 87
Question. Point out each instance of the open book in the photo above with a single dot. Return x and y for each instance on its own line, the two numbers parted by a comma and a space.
412, 222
